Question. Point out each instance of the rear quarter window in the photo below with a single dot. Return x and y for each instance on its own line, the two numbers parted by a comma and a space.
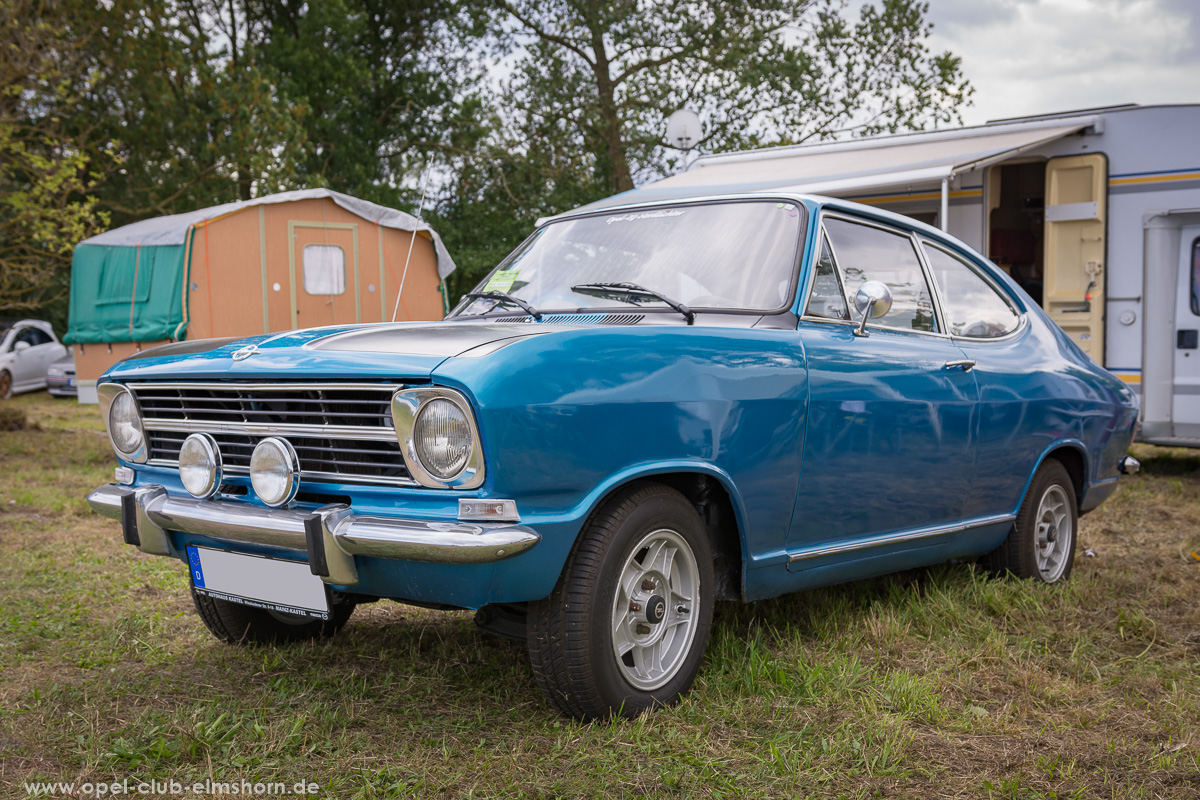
973, 307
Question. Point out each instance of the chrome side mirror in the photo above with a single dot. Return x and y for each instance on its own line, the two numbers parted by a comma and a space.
873, 300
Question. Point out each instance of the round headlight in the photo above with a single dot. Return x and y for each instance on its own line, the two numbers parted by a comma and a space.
200, 465
125, 425
442, 438
275, 471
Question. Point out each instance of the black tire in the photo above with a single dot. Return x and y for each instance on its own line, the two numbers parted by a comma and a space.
570, 635
234, 623
1041, 544
5, 384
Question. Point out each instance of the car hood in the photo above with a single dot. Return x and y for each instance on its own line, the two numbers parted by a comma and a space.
382, 350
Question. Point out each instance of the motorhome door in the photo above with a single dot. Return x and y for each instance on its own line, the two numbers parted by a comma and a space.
1074, 240
1186, 405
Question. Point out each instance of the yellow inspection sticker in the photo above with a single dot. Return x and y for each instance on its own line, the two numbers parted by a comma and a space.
502, 281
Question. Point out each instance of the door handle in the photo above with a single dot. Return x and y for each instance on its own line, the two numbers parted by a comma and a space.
966, 365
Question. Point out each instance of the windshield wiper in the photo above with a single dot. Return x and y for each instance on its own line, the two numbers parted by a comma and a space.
628, 290
505, 297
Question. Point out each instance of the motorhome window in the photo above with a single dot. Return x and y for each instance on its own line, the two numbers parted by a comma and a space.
1196, 277
826, 298
324, 269
866, 253
972, 307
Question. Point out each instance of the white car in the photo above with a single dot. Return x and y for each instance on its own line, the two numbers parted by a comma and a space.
27, 349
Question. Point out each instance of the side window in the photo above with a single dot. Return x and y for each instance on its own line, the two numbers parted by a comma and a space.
826, 298
971, 305
1196, 277
38, 336
324, 269
866, 253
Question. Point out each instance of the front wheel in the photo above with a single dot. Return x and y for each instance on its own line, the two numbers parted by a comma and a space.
625, 629
234, 623
1041, 544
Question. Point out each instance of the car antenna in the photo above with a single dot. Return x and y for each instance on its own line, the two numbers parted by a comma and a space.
412, 241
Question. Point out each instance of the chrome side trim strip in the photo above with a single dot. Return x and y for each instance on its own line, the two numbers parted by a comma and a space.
446, 542
272, 429
897, 538
281, 386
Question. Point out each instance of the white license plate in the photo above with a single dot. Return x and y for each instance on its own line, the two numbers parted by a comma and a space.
287, 587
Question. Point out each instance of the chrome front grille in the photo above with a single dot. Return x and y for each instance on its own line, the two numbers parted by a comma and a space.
341, 432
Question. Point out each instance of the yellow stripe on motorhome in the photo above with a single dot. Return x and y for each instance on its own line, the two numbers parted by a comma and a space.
900, 198
1129, 377
1174, 176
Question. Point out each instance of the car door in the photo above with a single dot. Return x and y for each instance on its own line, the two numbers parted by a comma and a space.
1012, 386
26, 361
47, 351
888, 455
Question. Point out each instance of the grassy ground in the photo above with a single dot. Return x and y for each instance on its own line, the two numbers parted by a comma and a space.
939, 683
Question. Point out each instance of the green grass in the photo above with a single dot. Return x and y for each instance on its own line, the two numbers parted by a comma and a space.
936, 683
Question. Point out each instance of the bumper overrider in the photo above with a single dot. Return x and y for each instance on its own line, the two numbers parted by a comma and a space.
330, 536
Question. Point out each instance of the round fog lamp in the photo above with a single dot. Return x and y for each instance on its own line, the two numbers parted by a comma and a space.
124, 424
275, 471
442, 438
200, 465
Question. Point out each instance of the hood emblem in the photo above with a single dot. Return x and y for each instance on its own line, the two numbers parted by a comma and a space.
245, 352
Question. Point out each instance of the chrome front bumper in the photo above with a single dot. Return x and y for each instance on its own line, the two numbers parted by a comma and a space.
331, 535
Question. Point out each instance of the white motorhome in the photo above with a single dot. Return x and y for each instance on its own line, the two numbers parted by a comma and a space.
1096, 213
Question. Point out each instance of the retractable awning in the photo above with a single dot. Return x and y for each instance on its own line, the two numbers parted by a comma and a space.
856, 166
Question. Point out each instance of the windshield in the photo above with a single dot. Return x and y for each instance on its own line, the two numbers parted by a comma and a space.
736, 255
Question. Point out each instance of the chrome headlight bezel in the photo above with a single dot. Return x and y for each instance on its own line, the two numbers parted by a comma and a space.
207, 447
292, 464
407, 405
108, 393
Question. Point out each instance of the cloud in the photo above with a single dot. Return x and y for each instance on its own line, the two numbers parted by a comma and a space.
1038, 56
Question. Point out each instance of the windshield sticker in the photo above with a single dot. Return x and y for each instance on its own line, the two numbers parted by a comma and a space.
671, 212
502, 281
788, 207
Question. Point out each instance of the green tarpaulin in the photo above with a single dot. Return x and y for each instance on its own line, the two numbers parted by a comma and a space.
127, 293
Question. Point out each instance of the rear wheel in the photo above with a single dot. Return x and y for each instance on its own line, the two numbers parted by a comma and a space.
1041, 544
238, 624
625, 629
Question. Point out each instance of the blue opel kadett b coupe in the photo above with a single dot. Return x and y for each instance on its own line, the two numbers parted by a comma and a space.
641, 411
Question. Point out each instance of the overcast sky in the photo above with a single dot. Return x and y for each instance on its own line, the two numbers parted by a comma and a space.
1039, 56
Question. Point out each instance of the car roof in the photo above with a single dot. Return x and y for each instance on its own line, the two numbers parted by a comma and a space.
814, 202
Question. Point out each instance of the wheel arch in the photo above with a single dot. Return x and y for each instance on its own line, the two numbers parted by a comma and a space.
1073, 455
713, 494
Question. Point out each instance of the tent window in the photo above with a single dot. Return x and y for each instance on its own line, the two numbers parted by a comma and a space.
324, 269
125, 275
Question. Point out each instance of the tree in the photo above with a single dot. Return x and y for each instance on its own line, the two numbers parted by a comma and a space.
759, 72
45, 178
379, 82
178, 95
